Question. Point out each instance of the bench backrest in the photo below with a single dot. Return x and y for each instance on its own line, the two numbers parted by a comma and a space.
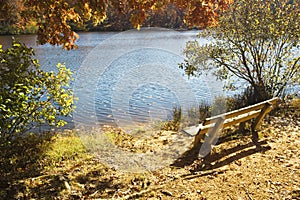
257, 111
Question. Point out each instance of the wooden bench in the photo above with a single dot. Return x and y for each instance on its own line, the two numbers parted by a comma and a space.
213, 125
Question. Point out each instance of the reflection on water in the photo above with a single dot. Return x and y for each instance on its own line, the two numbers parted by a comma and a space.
145, 98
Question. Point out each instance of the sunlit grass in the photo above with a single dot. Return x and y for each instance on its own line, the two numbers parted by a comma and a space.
65, 148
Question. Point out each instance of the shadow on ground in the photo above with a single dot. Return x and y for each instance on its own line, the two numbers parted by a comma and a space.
19, 159
225, 157
29, 172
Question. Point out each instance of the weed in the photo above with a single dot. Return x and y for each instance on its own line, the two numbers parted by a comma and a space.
174, 123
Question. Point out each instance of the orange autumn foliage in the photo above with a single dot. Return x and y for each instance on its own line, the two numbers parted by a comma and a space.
53, 17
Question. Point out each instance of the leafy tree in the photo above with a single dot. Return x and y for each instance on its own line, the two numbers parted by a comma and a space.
53, 17
257, 41
29, 96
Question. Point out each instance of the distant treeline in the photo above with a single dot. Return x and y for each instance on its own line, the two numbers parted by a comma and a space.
169, 17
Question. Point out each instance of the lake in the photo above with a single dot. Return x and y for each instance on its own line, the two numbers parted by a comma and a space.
129, 78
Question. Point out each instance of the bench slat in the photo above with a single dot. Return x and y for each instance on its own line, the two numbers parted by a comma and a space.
241, 111
232, 117
231, 121
203, 129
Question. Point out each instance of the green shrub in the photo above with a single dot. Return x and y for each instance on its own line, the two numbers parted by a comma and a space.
29, 96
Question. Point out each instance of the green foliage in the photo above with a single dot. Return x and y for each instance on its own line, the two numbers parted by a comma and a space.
29, 96
257, 41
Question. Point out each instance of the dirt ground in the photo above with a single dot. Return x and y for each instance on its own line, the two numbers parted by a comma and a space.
235, 169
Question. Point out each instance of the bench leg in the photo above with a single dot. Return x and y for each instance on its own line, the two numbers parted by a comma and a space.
267, 108
211, 137
197, 140
255, 137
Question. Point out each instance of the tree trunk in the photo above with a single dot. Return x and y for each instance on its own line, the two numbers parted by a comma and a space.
261, 93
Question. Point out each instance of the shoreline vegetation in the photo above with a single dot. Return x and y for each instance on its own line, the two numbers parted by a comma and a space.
29, 29
32, 30
171, 17
59, 166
